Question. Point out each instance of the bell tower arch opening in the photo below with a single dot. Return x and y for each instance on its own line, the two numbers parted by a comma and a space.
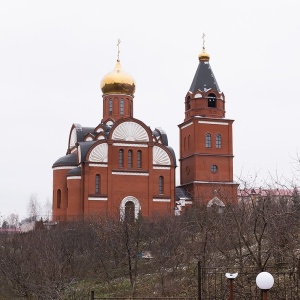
211, 100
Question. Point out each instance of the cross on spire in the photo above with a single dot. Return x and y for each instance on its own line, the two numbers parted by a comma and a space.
118, 45
203, 40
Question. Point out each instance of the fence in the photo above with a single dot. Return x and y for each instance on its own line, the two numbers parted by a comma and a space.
213, 285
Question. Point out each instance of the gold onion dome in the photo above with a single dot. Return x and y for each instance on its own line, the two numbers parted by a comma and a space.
118, 82
204, 56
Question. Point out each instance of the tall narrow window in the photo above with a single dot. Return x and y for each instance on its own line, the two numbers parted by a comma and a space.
122, 106
212, 100
189, 137
208, 140
131, 110
139, 159
130, 159
97, 184
188, 103
218, 141
161, 185
110, 103
121, 158
184, 143
58, 198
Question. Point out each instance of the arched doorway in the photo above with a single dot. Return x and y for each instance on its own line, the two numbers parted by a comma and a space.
129, 209
129, 212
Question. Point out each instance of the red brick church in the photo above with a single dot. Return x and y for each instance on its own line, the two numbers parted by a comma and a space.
123, 168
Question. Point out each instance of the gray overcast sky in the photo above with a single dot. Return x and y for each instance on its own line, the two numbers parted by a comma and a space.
53, 55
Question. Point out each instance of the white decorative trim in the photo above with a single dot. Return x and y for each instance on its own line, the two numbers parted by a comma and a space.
89, 138
130, 173
130, 131
215, 201
73, 177
99, 153
64, 168
186, 125
198, 95
214, 182
73, 150
161, 200
137, 206
109, 123
98, 198
73, 137
188, 202
160, 156
213, 123
161, 168
79, 154
98, 165
130, 145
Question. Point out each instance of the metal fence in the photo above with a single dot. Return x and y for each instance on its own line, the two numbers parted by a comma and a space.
213, 285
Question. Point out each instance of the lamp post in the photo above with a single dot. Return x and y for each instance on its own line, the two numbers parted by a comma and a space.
264, 281
231, 277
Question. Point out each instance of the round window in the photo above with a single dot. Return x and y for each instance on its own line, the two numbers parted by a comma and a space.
214, 168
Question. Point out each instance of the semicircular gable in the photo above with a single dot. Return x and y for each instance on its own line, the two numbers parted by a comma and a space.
130, 131
73, 135
99, 153
160, 156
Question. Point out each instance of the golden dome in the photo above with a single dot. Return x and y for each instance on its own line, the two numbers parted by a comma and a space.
204, 56
118, 82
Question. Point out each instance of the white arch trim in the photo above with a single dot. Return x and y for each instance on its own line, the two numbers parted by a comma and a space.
130, 131
137, 206
160, 156
215, 201
99, 153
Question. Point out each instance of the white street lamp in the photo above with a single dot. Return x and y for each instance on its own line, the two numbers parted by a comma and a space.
231, 277
264, 281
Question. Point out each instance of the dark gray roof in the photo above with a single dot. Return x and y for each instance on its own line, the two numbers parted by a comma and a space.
173, 154
67, 160
204, 79
163, 135
83, 132
74, 172
181, 193
84, 148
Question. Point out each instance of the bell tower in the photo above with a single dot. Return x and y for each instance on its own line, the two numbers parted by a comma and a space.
206, 154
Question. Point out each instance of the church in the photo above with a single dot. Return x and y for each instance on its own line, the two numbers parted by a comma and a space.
122, 168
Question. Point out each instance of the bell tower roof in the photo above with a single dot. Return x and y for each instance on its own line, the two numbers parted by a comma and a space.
204, 78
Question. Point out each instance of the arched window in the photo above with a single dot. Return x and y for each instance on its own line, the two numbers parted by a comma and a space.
131, 110
97, 184
129, 159
129, 212
208, 140
121, 106
219, 141
110, 104
212, 100
188, 103
58, 198
161, 185
121, 158
139, 159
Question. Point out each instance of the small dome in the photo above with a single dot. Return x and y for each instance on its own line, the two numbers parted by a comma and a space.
118, 82
204, 56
